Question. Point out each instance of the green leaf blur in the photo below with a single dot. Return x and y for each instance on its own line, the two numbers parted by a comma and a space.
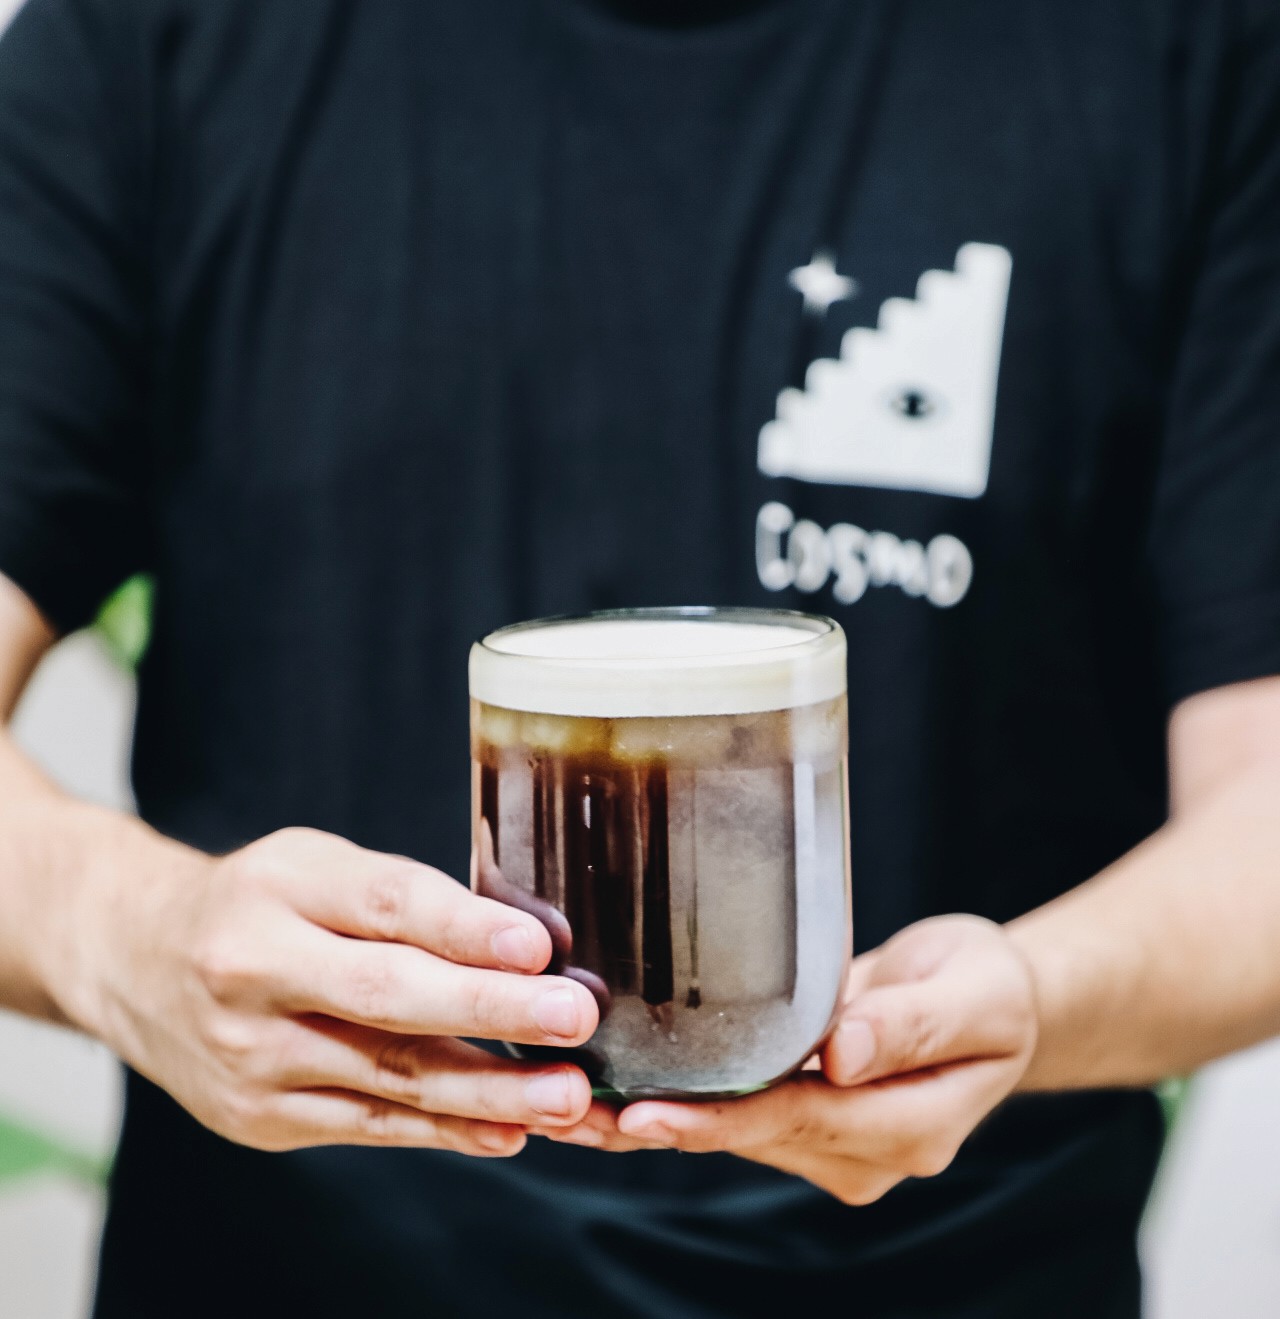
25, 1152
124, 622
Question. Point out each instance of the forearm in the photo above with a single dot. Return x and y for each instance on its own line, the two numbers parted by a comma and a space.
62, 864
1169, 958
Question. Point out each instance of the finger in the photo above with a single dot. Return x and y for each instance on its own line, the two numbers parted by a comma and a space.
490, 881
435, 1075
392, 987
735, 1125
859, 977
590, 1138
597, 1130
972, 1008
373, 896
338, 1117
910, 1123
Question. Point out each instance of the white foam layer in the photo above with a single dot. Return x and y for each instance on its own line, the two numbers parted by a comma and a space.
660, 663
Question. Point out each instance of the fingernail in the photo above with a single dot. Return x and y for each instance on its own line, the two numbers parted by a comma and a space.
587, 1136
499, 1142
550, 1094
654, 1131
853, 1050
557, 1013
513, 947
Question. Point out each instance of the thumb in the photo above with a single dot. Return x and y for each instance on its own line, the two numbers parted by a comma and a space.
971, 1008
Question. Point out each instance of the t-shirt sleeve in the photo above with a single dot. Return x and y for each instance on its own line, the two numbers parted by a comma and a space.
72, 295
1215, 539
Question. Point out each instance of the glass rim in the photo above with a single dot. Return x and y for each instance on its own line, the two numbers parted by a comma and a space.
800, 670
819, 627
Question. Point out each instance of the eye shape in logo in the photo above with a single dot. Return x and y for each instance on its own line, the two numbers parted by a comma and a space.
909, 405
916, 404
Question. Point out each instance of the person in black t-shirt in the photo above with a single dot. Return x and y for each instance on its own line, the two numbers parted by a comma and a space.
365, 326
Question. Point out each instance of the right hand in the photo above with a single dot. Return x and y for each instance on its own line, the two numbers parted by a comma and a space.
304, 991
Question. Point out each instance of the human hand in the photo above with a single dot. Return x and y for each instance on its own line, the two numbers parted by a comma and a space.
304, 991
938, 1026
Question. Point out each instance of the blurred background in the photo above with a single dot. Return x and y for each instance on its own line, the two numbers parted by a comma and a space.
1212, 1236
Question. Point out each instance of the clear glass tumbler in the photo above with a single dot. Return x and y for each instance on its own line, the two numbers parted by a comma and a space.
667, 790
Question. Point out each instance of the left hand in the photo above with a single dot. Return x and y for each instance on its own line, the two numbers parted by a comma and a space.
938, 1026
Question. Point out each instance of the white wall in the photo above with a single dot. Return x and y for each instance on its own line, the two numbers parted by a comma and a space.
76, 720
1212, 1245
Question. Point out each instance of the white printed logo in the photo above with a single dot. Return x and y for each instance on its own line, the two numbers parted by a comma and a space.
911, 404
804, 555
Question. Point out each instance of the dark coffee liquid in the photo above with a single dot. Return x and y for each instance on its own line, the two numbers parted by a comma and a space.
693, 874
601, 855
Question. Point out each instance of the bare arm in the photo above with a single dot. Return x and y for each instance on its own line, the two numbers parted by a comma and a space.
300, 991
1171, 957
26, 638
50, 846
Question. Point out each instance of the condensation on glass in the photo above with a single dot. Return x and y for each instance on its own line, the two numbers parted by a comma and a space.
667, 791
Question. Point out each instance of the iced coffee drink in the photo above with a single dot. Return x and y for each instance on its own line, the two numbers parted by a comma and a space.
666, 789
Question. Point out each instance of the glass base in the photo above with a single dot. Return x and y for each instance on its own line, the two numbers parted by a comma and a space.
622, 1098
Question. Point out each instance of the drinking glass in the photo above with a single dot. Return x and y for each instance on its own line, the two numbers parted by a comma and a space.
666, 789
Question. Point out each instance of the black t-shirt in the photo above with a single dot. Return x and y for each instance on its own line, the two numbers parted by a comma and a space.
368, 325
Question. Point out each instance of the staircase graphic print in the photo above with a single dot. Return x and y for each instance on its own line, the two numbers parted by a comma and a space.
909, 405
